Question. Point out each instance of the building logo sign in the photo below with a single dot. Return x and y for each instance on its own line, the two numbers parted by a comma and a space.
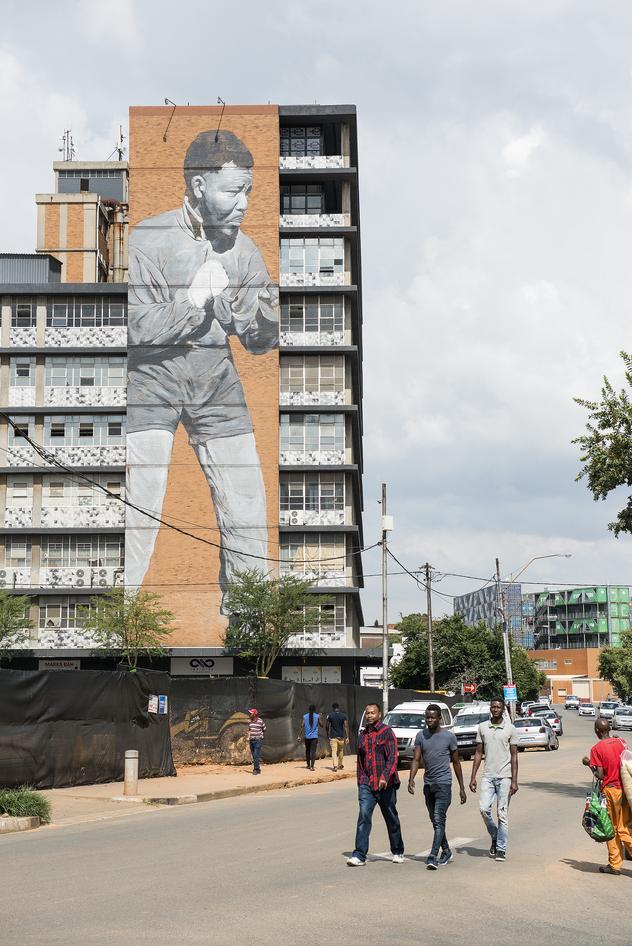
203, 666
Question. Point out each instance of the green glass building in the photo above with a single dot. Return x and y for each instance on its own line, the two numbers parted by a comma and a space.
581, 617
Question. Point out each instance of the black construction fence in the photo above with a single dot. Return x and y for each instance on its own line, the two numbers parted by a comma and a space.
67, 727
209, 721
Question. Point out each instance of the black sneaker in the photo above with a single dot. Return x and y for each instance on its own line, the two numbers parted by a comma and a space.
432, 863
501, 856
492, 849
446, 857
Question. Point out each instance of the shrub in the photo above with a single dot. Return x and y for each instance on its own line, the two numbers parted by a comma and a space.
24, 803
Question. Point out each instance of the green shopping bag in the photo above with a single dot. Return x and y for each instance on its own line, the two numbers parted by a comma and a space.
596, 820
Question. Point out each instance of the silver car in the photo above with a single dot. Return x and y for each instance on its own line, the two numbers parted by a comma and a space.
607, 709
622, 718
552, 718
586, 709
535, 733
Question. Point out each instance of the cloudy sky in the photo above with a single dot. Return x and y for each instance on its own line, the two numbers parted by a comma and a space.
496, 151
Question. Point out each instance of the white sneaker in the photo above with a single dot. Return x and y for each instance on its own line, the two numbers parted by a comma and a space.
398, 858
355, 862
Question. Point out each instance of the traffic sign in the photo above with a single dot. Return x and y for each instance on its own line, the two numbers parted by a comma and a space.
510, 693
469, 688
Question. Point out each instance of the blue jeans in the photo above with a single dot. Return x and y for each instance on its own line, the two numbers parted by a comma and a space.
255, 748
438, 797
387, 800
496, 790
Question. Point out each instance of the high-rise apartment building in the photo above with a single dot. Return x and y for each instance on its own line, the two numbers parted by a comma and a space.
578, 618
219, 389
485, 604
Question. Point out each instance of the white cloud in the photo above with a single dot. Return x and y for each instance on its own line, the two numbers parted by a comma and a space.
113, 24
518, 152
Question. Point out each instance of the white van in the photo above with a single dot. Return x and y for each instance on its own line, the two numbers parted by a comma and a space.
407, 719
466, 724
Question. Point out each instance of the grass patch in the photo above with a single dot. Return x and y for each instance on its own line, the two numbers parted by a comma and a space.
24, 802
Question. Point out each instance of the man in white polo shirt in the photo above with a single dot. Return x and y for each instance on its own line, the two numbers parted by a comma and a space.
499, 740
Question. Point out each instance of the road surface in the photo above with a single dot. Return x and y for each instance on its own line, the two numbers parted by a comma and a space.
270, 869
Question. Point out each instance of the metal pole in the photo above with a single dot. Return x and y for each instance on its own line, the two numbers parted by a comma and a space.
131, 772
384, 604
505, 631
431, 672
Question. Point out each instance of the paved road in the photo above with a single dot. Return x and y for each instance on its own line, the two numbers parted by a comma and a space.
270, 869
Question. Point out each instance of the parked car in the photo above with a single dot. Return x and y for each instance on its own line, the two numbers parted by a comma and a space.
535, 733
622, 718
607, 708
407, 719
586, 709
466, 724
571, 702
552, 718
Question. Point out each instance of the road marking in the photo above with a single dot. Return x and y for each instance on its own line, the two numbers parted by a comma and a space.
455, 843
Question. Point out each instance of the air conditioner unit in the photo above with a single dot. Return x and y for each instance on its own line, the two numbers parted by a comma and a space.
80, 583
3, 573
296, 518
80, 572
103, 582
102, 572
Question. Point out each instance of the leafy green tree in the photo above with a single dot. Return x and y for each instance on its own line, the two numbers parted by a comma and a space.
129, 623
266, 613
606, 447
15, 623
462, 654
615, 665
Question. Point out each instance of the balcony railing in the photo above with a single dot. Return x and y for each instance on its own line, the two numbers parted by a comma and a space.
315, 279
15, 577
108, 515
312, 517
72, 456
320, 575
306, 398
105, 336
76, 396
326, 339
23, 337
64, 638
312, 457
18, 517
319, 638
299, 221
307, 162
81, 577
22, 396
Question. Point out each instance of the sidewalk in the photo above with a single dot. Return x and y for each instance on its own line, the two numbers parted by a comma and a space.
194, 783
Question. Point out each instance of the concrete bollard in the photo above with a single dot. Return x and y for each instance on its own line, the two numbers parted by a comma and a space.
131, 772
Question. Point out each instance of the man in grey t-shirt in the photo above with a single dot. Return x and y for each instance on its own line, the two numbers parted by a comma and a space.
437, 748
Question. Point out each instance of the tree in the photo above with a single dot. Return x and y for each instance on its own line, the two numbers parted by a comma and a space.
462, 654
129, 623
606, 448
615, 666
14, 622
266, 613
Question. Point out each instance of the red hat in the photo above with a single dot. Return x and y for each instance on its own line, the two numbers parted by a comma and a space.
253, 712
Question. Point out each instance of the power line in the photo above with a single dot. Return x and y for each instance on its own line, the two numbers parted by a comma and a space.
418, 580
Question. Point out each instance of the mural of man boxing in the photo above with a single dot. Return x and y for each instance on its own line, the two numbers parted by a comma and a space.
195, 279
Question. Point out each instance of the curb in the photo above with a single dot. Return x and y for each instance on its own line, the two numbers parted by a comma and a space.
9, 824
233, 792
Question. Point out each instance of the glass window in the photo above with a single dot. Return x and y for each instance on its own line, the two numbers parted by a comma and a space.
18, 551
94, 551
62, 612
299, 140
22, 372
85, 372
19, 491
85, 311
22, 427
23, 313
302, 199
324, 256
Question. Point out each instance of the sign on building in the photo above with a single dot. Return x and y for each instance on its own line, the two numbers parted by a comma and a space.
202, 665
59, 664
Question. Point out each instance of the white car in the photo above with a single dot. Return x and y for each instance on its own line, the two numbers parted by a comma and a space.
607, 708
586, 709
407, 719
622, 718
536, 733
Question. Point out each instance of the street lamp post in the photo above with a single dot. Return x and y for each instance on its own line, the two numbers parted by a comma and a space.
503, 613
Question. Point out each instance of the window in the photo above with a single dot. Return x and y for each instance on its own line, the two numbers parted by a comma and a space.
301, 140
94, 551
18, 551
62, 612
21, 427
23, 313
22, 372
85, 372
313, 314
312, 373
57, 430
56, 489
115, 428
19, 491
331, 620
323, 256
314, 492
313, 552
84, 430
115, 487
312, 432
85, 311
302, 199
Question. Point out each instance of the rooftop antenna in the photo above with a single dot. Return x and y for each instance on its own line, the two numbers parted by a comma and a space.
221, 102
169, 102
120, 147
67, 149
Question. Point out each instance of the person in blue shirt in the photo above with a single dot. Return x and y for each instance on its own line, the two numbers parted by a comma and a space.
309, 732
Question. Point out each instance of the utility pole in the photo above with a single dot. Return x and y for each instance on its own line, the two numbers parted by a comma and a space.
387, 526
431, 672
500, 603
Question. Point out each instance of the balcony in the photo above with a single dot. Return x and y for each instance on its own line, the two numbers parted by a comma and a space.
88, 396
64, 638
308, 398
11, 577
105, 336
18, 517
313, 221
81, 577
22, 396
312, 517
326, 339
321, 575
108, 515
319, 638
22, 337
309, 162
72, 456
291, 280
312, 457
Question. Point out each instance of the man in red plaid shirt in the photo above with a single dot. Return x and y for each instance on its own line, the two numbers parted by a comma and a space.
378, 782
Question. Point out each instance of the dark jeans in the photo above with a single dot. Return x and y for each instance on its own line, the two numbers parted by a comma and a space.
255, 748
387, 800
438, 797
310, 751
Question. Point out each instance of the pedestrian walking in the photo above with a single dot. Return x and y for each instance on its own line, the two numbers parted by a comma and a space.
605, 761
378, 782
309, 732
338, 734
436, 748
256, 732
499, 784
